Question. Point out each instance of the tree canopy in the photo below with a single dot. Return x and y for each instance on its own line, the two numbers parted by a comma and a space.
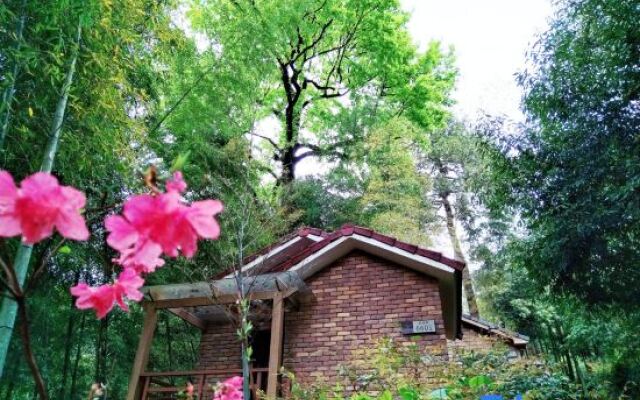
236, 94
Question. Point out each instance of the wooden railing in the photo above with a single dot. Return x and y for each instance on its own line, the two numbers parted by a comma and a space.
166, 385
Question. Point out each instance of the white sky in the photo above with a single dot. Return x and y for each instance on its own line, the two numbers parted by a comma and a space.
490, 39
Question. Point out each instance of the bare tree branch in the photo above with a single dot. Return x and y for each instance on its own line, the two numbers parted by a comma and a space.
33, 279
271, 141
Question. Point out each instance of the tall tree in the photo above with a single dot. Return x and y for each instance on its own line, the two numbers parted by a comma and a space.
84, 75
315, 56
453, 162
571, 175
394, 199
575, 165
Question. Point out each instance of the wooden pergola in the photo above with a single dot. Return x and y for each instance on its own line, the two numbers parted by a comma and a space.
199, 304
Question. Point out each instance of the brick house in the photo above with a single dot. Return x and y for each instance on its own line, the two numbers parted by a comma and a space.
316, 298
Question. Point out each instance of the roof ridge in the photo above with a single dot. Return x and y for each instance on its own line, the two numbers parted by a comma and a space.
347, 229
350, 229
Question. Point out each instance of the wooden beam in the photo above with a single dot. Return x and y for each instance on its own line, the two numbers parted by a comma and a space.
189, 317
275, 349
142, 354
197, 301
223, 299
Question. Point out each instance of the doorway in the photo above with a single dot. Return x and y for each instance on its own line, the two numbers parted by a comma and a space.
260, 344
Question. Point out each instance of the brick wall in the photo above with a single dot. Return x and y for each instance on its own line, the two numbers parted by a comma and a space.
359, 298
219, 348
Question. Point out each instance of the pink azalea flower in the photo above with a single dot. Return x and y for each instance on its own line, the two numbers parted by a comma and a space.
161, 224
136, 251
127, 285
9, 222
102, 298
234, 382
38, 206
231, 389
150, 226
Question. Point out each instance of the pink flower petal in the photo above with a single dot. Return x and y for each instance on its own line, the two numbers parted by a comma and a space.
122, 234
8, 192
129, 281
9, 226
201, 217
235, 382
71, 225
9, 223
74, 199
147, 256
176, 183
39, 184
37, 205
140, 208
101, 298
35, 228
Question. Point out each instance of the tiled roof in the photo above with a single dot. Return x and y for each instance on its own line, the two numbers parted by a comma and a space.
349, 230
292, 255
489, 328
302, 232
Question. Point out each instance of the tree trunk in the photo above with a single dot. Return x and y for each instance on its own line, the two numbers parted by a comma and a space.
76, 363
101, 349
68, 344
7, 97
459, 255
28, 350
287, 155
9, 307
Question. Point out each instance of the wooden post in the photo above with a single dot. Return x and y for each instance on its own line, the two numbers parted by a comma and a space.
142, 354
275, 350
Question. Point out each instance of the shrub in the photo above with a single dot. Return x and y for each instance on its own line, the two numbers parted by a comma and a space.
389, 371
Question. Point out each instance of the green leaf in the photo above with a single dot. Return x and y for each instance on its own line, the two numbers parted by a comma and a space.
479, 380
64, 250
180, 161
386, 395
408, 393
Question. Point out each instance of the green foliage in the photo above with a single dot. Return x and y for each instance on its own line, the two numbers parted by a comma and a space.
574, 167
382, 189
394, 192
389, 370
311, 63
567, 275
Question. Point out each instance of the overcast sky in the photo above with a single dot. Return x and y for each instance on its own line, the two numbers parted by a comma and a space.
490, 39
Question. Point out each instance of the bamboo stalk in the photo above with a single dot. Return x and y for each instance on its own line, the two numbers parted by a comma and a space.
7, 97
9, 307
